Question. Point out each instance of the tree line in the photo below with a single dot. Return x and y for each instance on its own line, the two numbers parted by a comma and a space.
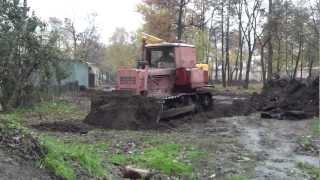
228, 34
34, 52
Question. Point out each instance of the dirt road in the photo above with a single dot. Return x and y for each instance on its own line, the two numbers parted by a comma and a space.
274, 142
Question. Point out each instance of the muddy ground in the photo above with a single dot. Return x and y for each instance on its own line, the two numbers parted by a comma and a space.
13, 167
236, 145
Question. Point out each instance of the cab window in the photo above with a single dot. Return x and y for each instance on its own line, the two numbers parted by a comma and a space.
161, 58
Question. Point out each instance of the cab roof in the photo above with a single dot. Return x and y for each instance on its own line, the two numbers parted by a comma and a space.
165, 44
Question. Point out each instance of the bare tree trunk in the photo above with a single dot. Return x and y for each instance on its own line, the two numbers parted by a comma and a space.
241, 60
227, 45
180, 28
263, 70
301, 67
270, 51
286, 57
286, 36
246, 84
279, 56
239, 76
74, 39
292, 59
236, 68
216, 55
222, 46
298, 58
310, 67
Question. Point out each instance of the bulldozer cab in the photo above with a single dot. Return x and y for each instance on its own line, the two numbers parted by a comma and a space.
160, 57
169, 55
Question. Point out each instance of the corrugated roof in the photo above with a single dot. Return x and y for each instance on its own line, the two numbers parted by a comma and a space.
170, 45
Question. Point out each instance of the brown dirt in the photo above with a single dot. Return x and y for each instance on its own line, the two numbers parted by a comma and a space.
18, 154
284, 96
63, 126
116, 110
239, 145
16, 167
23, 144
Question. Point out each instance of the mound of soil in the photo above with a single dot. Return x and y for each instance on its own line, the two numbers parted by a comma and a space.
288, 99
63, 126
23, 144
119, 110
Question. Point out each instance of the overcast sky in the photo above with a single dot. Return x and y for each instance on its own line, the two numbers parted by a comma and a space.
111, 13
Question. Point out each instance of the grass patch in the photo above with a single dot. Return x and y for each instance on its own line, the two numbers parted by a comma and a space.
10, 121
315, 127
171, 159
313, 171
55, 107
237, 178
62, 157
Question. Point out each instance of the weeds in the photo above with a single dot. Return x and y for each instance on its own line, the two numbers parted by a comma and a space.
55, 107
170, 159
10, 121
313, 171
236, 178
315, 127
61, 156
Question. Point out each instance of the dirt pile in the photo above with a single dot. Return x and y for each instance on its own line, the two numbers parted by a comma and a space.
22, 143
288, 99
63, 126
119, 110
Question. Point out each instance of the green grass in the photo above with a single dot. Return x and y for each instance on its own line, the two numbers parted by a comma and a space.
313, 171
61, 158
315, 127
237, 177
55, 107
52, 109
13, 120
10, 121
171, 159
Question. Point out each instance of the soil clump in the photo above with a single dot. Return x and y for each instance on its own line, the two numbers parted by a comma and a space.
122, 110
282, 98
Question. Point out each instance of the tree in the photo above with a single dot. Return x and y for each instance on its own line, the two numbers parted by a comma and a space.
160, 17
239, 11
180, 26
223, 71
250, 34
270, 50
26, 50
90, 49
71, 31
122, 51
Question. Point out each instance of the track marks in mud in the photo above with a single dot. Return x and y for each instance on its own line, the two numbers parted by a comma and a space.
274, 144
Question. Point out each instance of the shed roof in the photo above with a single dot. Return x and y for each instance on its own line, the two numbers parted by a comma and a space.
170, 45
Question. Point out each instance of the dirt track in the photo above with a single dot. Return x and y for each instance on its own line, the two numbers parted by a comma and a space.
235, 141
13, 167
274, 142
239, 145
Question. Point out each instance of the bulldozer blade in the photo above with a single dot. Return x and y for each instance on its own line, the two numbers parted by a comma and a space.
116, 110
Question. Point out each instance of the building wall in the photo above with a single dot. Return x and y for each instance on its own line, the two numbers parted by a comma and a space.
78, 72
